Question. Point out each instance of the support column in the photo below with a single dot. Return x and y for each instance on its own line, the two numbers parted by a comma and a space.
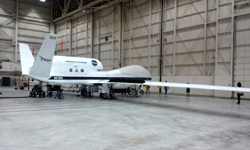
175, 37
164, 39
120, 52
217, 38
98, 36
16, 31
150, 33
65, 39
205, 40
160, 78
87, 31
232, 45
130, 32
113, 37
92, 35
76, 36
70, 37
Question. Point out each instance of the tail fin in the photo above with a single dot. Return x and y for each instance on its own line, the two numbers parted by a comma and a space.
26, 57
43, 63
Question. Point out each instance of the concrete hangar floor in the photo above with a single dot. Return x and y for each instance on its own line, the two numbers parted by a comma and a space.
155, 121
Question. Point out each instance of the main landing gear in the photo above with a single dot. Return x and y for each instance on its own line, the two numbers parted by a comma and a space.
88, 90
107, 92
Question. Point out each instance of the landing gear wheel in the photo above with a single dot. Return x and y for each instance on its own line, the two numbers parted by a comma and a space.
84, 93
112, 96
105, 96
142, 92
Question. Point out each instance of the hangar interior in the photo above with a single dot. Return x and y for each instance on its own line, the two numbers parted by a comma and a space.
203, 41
196, 41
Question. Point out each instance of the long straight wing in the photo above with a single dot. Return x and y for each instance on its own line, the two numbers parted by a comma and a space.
197, 86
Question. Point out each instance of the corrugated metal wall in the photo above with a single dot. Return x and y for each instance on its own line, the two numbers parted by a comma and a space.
198, 37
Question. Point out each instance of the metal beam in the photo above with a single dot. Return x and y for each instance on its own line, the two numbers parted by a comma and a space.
232, 45
87, 31
66, 41
164, 40
81, 2
130, 32
70, 38
7, 9
205, 40
5, 35
217, 38
67, 7
113, 37
75, 35
16, 31
92, 35
98, 35
161, 26
175, 37
150, 32
121, 36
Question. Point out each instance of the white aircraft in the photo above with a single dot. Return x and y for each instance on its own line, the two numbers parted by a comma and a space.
67, 71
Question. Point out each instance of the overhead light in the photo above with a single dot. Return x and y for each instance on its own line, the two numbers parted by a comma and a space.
42, 0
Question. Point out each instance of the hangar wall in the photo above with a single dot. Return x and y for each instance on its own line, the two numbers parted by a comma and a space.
31, 22
205, 41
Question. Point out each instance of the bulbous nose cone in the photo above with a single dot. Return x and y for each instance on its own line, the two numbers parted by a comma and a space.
135, 71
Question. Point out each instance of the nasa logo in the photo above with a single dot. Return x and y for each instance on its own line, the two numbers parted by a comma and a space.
94, 62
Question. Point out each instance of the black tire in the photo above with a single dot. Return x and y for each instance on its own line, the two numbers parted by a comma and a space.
84, 93
34, 94
31, 95
43, 94
142, 92
105, 96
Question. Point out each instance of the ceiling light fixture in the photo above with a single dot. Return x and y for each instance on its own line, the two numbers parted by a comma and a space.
42, 0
